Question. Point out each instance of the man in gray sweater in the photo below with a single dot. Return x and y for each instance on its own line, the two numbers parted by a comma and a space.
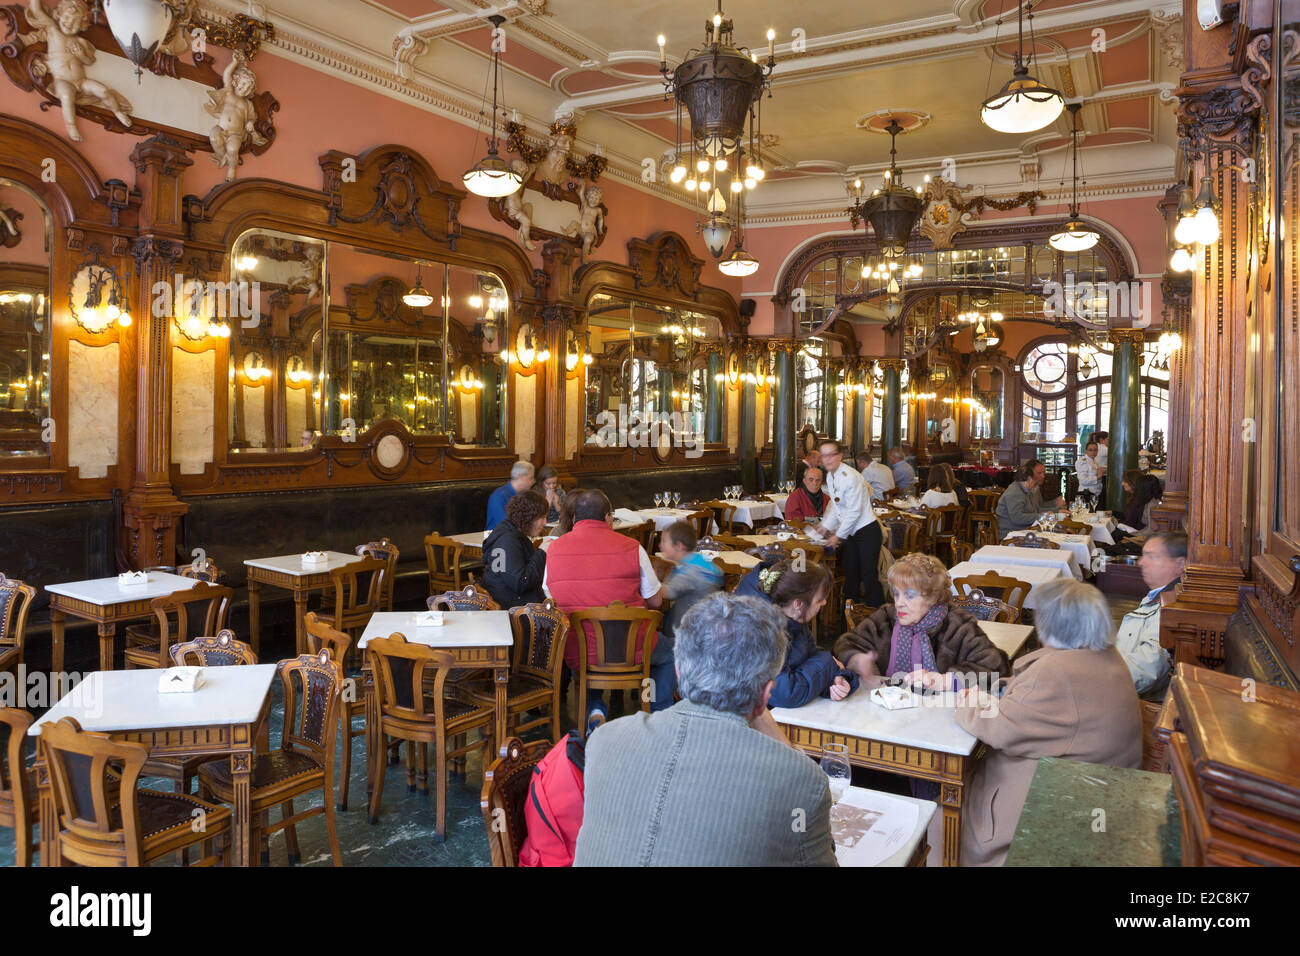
711, 781
1022, 503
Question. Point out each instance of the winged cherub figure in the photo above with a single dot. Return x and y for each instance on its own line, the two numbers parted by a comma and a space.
233, 107
590, 220
66, 57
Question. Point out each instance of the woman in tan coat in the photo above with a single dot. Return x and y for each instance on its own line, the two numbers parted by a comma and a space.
1073, 698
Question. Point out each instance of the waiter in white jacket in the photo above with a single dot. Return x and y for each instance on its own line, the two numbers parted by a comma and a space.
851, 523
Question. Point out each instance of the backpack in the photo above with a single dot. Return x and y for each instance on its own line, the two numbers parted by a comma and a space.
553, 812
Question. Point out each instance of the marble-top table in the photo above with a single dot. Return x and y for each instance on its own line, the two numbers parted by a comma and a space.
103, 601
922, 742
1058, 825
1008, 638
1004, 554
1033, 575
221, 717
476, 640
287, 572
914, 850
1080, 545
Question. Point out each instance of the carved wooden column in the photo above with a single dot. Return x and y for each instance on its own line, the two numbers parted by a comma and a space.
151, 508
559, 259
1220, 123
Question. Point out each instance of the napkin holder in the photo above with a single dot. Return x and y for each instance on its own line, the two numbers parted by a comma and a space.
180, 680
429, 619
894, 698
709, 554
315, 559
132, 579
785, 536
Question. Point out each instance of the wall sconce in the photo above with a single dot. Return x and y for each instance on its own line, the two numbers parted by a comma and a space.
193, 326
256, 372
96, 298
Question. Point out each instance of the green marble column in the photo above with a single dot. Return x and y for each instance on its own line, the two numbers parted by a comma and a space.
784, 395
714, 409
1125, 413
664, 401
748, 454
891, 410
861, 422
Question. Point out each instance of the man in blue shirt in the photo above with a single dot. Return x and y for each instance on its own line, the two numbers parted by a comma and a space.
521, 479
904, 474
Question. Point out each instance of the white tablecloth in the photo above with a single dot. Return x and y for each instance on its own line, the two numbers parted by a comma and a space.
779, 499
997, 554
1080, 545
1033, 575
662, 517
1101, 527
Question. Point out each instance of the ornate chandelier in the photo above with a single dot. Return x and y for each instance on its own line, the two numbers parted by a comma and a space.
893, 210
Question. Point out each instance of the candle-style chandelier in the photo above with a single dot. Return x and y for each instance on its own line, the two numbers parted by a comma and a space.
720, 88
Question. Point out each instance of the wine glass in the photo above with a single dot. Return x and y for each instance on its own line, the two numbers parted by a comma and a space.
677, 499
835, 764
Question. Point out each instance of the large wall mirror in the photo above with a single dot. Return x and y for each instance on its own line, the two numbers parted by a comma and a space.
988, 388
346, 338
25, 296
941, 407
652, 359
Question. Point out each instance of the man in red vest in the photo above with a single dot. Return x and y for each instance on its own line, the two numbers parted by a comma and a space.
594, 566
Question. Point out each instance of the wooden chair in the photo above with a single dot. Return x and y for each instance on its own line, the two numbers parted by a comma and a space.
104, 818
219, 651
1012, 591
146, 632
540, 631
505, 792
1031, 539
986, 608
961, 551
902, 535
723, 513
813, 553
732, 542
359, 591
469, 598
406, 711
15, 782
892, 494
320, 636
731, 573
981, 519
700, 521
183, 616
643, 532
662, 566
619, 632
943, 527
305, 761
1067, 526
855, 613
15, 602
448, 567
382, 550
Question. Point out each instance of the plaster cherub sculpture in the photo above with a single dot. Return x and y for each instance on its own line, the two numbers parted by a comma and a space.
554, 168
590, 220
308, 278
66, 57
521, 212
233, 107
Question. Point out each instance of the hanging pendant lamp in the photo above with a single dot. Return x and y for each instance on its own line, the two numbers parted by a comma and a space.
1024, 104
491, 176
1076, 236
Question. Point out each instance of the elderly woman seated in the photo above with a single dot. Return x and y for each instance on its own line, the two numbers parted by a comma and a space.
918, 636
1072, 698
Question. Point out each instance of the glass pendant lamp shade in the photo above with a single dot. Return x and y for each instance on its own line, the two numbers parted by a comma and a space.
1181, 260
1206, 225
418, 297
491, 177
717, 233
740, 263
1075, 237
1022, 106
138, 27
1185, 230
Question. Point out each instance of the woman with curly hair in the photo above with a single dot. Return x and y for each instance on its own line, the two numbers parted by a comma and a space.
512, 567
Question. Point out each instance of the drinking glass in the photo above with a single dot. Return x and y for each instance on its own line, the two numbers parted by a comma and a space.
835, 764
677, 499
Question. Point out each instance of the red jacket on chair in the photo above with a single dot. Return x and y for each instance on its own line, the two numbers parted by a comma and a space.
592, 566
554, 808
